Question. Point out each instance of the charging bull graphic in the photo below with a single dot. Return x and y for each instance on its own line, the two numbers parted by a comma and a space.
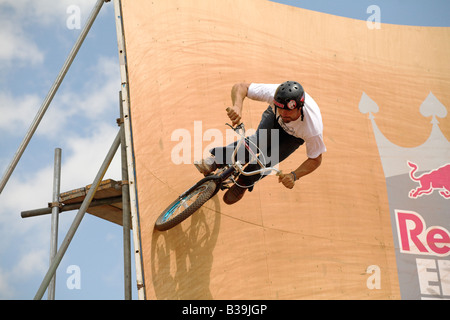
438, 179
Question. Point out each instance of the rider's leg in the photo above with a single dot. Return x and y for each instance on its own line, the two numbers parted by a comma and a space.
286, 145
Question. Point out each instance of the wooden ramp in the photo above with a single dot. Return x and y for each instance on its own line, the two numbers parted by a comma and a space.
332, 236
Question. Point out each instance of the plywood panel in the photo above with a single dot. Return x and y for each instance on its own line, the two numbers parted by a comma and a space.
317, 240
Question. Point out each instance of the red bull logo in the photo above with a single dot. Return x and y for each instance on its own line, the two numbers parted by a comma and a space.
416, 238
438, 179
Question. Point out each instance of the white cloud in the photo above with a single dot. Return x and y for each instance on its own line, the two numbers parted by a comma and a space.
6, 289
17, 112
34, 262
104, 88
24, 247
30, 193
16, 15
82, 158
16, 46
96, 97
45, 12
100, 92
87, 156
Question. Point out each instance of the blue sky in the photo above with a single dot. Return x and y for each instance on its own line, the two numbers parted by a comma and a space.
405, 12
81, 120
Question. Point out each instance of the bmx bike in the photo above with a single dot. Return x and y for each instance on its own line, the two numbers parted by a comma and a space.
192, 199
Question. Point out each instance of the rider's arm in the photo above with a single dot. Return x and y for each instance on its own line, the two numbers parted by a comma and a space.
238, 94
308, 166
255, 91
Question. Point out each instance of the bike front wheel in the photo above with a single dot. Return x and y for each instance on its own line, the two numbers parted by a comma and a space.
185, 206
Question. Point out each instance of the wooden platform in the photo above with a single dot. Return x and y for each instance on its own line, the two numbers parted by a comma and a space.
108, 190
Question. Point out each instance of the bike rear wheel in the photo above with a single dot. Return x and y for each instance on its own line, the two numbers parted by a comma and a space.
184, 207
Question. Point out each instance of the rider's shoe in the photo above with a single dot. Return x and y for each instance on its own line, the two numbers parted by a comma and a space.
206, 166
234, 194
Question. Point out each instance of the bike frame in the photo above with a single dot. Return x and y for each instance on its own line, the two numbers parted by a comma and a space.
235, 166
238, 165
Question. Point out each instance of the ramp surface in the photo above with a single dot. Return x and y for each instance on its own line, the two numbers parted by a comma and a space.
331, 237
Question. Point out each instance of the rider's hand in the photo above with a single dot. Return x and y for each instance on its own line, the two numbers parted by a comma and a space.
234, 113
287, 180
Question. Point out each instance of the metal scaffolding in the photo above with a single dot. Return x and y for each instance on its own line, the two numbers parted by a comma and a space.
127, 197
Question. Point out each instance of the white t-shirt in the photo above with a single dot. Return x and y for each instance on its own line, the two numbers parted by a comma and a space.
310, 129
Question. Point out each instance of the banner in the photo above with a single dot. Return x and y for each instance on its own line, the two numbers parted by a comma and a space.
418, 186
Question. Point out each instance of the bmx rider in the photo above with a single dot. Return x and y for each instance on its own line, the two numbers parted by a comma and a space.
292, 115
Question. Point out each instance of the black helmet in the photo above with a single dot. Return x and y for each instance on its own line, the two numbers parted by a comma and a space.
289, 95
